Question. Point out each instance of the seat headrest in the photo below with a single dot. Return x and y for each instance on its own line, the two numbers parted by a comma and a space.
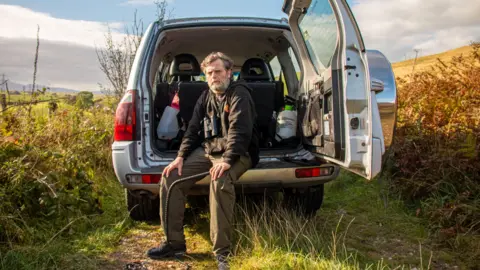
254, 69
185, 65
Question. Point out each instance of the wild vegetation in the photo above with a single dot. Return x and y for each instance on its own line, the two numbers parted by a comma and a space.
56, 183
63, 208
436, 162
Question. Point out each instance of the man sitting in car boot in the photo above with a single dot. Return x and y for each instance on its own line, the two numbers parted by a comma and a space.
225, 116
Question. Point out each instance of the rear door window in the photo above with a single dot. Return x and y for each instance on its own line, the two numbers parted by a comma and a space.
319, 31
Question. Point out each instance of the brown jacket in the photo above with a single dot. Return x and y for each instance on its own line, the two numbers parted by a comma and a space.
238, 134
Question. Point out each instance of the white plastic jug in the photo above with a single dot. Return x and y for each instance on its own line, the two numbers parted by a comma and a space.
286, 125
168, 127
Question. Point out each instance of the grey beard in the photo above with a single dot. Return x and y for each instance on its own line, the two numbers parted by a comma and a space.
220, 89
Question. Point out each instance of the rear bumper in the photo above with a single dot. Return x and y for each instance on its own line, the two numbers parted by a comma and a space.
253, 180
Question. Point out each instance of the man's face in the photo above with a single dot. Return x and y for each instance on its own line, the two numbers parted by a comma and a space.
218, 78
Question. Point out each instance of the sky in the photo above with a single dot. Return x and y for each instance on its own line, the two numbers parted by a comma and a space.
70, 30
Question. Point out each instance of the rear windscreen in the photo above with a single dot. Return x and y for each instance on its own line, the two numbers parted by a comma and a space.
201, 77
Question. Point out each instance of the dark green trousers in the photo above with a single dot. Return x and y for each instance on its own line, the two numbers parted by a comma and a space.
222, 198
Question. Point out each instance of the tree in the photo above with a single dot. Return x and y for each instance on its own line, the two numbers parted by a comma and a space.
35, 63
84, 100
52, 107
4, 83
116, 58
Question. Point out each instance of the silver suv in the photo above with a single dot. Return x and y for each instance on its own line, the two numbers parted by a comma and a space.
344, 97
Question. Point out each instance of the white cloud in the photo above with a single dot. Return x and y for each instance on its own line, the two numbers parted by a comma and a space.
23, 24
396, 27
60, 64
67, 56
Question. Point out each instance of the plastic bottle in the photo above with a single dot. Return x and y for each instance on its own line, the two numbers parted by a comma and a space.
168, 127
287, 121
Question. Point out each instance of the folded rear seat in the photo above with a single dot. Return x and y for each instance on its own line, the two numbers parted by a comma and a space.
267, 95
163, 97
188, 93
185, 66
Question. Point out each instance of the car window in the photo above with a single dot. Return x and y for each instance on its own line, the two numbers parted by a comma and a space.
277, 72
319, 31
202, 78
235, 75
166, 74
276, 68
295, 62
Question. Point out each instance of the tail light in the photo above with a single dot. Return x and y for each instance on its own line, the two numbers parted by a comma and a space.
313, 172
151, 178
144, 178
125, 118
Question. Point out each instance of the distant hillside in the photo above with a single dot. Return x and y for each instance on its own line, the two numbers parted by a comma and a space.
423, 63
13, 86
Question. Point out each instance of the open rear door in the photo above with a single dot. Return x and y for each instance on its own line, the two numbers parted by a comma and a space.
337, 109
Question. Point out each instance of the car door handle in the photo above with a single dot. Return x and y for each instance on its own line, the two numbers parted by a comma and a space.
377, 85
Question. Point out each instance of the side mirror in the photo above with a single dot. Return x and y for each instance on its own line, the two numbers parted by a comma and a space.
377, 85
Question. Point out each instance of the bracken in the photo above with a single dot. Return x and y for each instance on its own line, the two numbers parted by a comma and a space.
435, 159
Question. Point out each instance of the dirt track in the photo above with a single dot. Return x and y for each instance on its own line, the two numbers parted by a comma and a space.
131, 251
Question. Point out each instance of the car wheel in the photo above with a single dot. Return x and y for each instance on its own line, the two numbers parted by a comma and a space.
143, 206
198, 203
304, 201
256, 201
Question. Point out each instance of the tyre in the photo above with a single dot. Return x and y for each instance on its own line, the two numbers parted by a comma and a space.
198, 203
143, 206
304, 201
260, 200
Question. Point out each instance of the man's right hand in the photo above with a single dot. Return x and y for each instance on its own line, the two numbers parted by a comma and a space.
176, 164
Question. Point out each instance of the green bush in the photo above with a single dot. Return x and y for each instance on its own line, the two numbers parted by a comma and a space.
48, 170
84, 100
436, 160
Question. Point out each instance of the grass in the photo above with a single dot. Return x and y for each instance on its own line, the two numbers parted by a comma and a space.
355, 229
26, 96
403, 68
358, 227
78, 248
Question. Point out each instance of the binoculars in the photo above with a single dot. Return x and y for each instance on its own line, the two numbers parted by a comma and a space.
211, 126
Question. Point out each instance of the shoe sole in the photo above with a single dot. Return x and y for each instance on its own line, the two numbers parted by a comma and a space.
168, 255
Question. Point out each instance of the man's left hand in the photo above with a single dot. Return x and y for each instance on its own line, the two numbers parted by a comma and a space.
218, 169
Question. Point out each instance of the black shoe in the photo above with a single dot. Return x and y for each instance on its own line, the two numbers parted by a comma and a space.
222, 262
166, 250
